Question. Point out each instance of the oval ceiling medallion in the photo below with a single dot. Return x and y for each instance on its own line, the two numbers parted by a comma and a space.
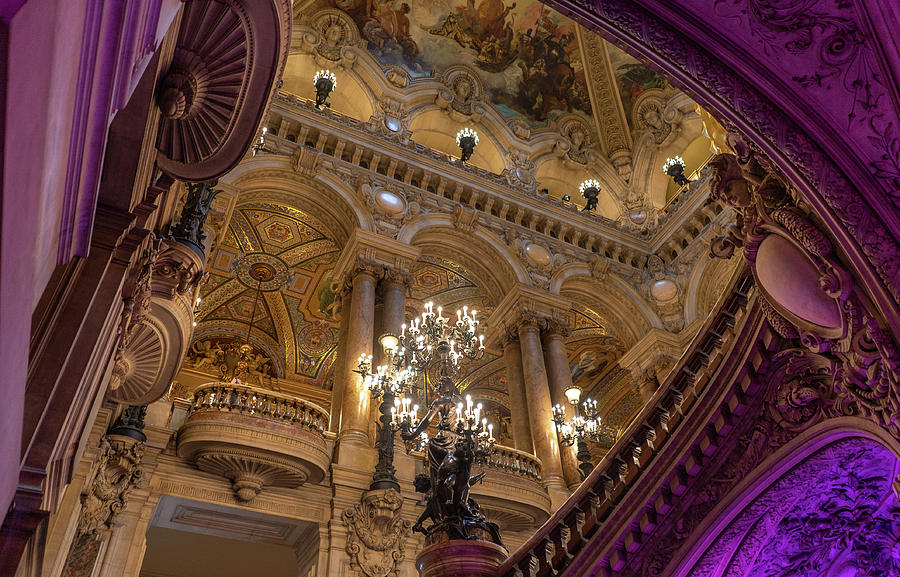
538, 255
390, 203
664, 290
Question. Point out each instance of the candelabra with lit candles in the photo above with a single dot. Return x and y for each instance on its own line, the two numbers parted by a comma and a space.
583, 426
463, 437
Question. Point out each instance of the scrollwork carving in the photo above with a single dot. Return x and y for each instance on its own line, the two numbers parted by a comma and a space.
863, 359
117, 471
376, 533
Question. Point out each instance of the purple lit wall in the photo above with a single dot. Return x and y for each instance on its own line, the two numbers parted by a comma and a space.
833, 515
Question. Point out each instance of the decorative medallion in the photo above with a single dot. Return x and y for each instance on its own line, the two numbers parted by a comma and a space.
265, 271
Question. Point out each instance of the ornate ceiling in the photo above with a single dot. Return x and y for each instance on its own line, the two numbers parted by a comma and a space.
294, 324
547, 96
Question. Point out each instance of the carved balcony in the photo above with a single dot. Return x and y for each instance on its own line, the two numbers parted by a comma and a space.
255, 438
511, 493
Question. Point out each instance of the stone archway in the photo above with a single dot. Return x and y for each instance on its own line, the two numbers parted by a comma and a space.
833, 513
758, 68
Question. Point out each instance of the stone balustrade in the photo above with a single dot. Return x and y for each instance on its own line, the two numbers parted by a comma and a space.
357, 145
553, 547
519, 463
255, 438
249, 400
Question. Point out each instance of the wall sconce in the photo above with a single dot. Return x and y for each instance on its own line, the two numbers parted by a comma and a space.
674, 167
325, 83
590, 190
466, 139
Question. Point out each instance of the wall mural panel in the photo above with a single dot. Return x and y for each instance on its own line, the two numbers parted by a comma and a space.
526, 55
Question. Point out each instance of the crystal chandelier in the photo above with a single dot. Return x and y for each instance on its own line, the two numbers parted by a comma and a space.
582, 427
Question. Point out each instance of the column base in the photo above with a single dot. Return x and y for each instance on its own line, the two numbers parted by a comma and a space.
353, 447
460, 558
556, 488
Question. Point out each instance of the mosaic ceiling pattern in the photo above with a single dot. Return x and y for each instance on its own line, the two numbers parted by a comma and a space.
295, 325
526, 55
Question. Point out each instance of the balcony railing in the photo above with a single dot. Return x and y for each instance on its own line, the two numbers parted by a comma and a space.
237, 398
551, 550
516, 462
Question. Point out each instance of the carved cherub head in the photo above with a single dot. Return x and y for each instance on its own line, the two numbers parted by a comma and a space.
728, 183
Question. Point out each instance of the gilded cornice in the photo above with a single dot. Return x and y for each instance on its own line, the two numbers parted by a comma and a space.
608, 113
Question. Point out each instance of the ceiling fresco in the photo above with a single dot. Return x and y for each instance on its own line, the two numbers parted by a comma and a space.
526, 55
295, 321
632, 79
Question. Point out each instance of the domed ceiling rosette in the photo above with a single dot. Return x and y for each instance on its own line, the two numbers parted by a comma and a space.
219, 85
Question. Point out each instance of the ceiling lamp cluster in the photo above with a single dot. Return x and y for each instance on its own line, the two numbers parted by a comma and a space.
325, 83
590, 190
582, 427
674, 167
467, 140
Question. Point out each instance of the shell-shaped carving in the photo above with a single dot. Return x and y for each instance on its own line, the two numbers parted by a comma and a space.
213, 53
144, 357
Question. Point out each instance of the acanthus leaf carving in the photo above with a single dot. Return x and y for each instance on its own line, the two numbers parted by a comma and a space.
864, 377
117, 471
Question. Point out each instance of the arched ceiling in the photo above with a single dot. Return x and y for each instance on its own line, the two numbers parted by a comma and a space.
295, 320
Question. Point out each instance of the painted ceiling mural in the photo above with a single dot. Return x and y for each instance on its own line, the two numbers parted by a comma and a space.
632, 79
295, 321
526, 55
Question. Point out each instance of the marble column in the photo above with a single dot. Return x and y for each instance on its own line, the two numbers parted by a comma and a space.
540, 409
341, 367
560, 377
518, 405
394, 294
360, 321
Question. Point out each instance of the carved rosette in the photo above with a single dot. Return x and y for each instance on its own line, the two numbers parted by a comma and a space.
807, 294
376, 534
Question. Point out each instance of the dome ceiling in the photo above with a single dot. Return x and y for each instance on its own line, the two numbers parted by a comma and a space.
295, 320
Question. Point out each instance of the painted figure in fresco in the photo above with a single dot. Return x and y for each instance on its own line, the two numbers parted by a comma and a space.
586, 361
327, 295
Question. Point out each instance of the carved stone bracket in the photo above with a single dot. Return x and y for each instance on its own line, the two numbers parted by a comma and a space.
376, 534
808, 294
117, 471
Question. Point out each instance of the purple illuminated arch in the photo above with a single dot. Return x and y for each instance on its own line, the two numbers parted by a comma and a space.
822, 506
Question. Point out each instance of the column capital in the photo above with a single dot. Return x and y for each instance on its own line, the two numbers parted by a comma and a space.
526, 304
655, 351
400, 275
369, 253
556, 327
